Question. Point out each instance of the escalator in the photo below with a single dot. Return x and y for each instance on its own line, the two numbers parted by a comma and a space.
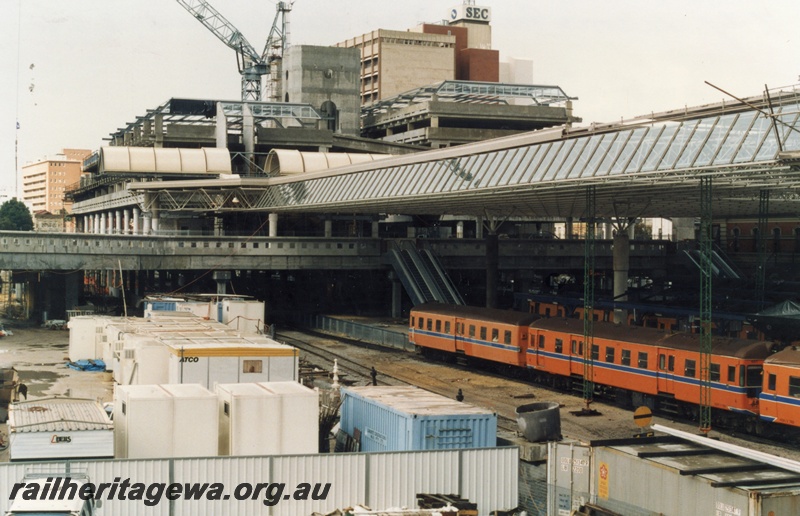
423, 276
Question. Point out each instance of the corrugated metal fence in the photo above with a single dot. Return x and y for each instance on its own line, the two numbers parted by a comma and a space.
486, 476
357, 331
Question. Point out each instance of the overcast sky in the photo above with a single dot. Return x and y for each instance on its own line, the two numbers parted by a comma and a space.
71, 72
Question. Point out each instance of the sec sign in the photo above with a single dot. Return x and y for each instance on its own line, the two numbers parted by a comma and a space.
471, 13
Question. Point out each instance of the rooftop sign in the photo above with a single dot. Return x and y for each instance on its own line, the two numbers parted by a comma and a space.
474, 13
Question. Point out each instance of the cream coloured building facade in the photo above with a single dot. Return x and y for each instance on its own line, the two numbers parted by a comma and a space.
44, 182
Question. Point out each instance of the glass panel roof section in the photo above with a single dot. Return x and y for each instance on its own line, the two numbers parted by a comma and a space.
586, 155
513, 165
624, 158
789, 118
574, 154
676, 147
715, 139
643, 150
696, 143
526, 167
659, 148
548, 160
487, 168
501, 166
555, 167
754, 139
600, 153
735, 137
613, 153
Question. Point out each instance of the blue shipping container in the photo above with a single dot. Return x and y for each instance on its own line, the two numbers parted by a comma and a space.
400, 418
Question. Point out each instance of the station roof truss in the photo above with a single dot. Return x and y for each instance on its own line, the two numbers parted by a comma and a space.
647, 167
471, 92
203, 113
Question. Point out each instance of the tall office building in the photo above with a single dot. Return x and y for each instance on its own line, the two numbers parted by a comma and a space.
44, 182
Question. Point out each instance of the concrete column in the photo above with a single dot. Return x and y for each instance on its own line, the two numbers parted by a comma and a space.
158, 129
219, 228
397, 297
136, 212
568, 228
103, 223
460, 230
86, 228
248, 136
118, 221
95, 223
492, 265
478, 227
609, 230
147, 227
273, 224
154, 214
126, 221
221, 128
683, 229
328, 228
375, 229
622, 251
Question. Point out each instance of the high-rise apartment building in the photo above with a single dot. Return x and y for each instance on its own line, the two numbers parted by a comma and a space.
44, 182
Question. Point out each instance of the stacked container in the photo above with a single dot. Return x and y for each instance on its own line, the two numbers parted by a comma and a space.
400, 418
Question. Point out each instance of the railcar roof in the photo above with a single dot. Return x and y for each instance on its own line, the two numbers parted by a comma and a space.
478, 313
746, 349
788, 356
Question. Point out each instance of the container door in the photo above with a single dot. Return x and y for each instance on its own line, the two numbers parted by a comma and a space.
666, 371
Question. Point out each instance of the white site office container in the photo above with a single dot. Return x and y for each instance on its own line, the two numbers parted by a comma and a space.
59, 428
248, 420
299, 416
165, 421
143, 361
406, 418
87, 337
246, 316
230, 360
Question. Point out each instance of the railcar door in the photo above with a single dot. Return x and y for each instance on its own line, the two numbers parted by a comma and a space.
459, 335
666, 371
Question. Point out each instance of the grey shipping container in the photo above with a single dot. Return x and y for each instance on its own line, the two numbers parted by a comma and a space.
400, 418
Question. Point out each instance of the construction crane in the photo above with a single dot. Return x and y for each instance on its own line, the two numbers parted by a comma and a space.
252, 65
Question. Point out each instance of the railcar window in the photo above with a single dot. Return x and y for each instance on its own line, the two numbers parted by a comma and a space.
507, 337
713, 372
671, 363
595, 352
689, 368
420, 322
495, 335
662, 362
771, 382
471, 330
483, 332
541, 341
794, 386
610, 354
413, 321
626, 357
438, 326
642, 360
430, 324
447, 326
732, 374
559, 346
577, 348
755, 376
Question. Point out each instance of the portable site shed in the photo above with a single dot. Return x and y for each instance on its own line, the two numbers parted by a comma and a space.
407, 418
159, 421
268, 418
59, 428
